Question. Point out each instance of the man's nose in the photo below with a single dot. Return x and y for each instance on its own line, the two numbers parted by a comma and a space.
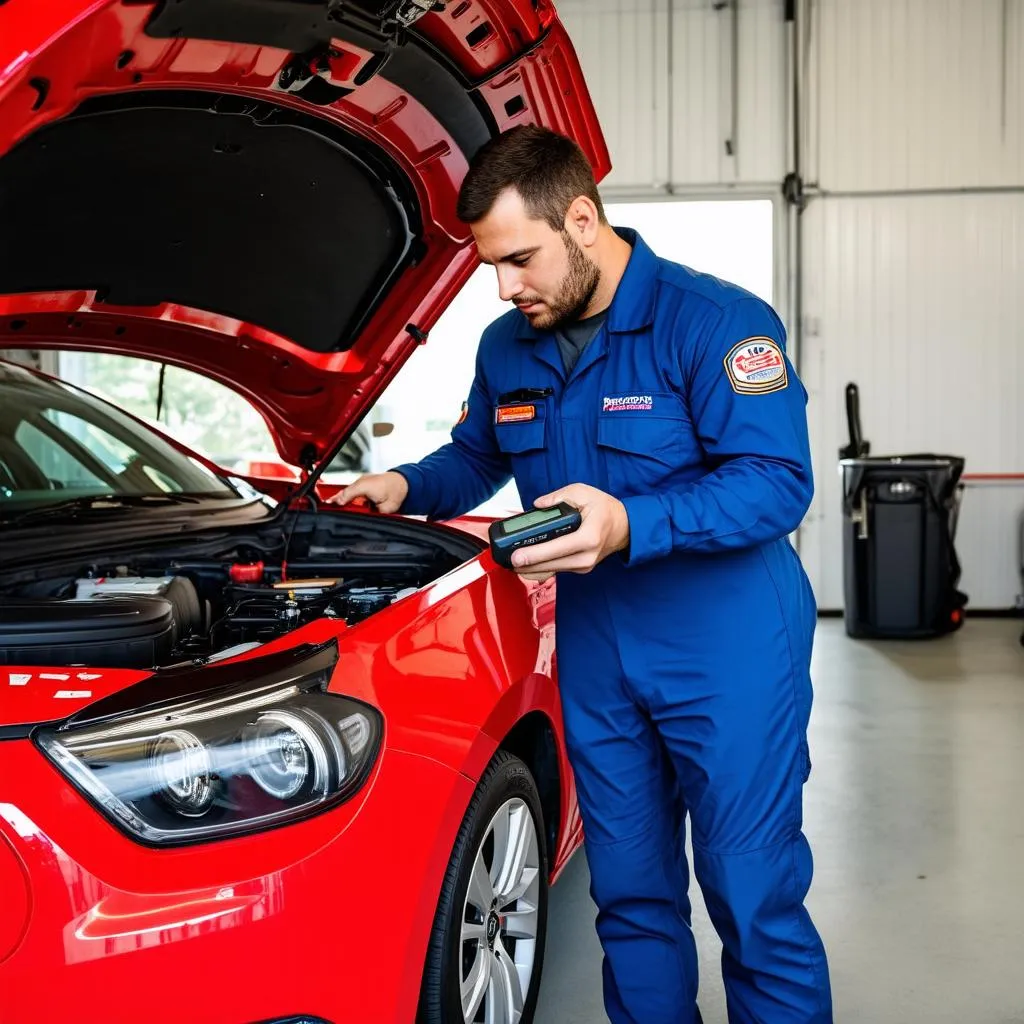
509, 283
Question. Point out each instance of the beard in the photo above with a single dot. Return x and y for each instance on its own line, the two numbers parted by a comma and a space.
574, 293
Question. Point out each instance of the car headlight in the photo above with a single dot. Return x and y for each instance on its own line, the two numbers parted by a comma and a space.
226, 755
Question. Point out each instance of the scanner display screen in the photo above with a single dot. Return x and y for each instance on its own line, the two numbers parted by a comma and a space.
528, 519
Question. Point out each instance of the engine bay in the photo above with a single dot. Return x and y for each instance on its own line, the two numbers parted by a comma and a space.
218, 596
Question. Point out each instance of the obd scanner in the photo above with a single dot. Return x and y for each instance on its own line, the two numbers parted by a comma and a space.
533, 527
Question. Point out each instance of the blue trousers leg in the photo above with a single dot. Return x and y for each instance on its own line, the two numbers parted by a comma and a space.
635, 831
738, 742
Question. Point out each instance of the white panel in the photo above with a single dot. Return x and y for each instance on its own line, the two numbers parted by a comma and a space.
702, 93
918, 300
623, 49
666, 128
761, 154
916, 94
700, 96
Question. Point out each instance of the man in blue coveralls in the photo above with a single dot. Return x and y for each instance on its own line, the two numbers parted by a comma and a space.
661, 403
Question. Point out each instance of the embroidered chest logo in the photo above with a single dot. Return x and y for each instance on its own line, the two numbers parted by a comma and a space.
756, 366
628, 403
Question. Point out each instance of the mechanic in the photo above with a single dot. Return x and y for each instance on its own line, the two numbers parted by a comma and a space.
661, 403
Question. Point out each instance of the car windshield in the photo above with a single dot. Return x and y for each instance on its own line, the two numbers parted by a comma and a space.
59, 444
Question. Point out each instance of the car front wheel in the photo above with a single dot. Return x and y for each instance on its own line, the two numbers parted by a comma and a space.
487, 946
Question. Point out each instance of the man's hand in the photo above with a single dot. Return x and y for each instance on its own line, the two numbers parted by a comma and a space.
605, 530
386, 490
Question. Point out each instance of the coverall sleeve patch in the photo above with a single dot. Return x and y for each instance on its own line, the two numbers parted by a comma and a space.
463, 414
756, 366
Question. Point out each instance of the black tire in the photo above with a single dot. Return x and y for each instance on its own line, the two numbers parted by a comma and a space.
506, 778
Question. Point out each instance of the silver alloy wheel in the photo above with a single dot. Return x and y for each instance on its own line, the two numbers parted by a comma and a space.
500, 918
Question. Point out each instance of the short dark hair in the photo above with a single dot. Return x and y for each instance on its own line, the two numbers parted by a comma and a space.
548, 171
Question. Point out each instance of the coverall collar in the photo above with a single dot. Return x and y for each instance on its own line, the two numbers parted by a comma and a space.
632, 306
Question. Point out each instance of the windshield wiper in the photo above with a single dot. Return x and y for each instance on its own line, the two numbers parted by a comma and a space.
99, 503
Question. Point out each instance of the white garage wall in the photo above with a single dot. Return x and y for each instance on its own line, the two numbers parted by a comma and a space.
728, 90
672, 85
910, 94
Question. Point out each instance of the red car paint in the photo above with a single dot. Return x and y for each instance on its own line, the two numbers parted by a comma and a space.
329, 916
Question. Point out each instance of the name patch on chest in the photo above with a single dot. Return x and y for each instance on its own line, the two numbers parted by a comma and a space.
515, 413
627, 403
756, 366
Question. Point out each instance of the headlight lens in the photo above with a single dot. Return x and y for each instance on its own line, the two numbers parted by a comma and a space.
286, 755
182, 773
213, 766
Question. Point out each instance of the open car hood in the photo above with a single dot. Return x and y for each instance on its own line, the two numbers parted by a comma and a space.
262, 191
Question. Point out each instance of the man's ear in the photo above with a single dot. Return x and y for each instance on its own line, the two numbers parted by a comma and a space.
582, 221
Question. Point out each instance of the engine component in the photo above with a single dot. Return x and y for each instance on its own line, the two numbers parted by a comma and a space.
246, 572
128, 622
155, 612
361, 602
105, 586
257, 612
365, 601
178, 590
116, 632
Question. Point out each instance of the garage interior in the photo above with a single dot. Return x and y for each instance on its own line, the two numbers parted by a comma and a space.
859, 163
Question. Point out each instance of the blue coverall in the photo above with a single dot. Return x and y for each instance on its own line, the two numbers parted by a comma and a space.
684, 661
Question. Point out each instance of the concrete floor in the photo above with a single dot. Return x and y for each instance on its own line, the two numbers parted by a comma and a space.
915, 813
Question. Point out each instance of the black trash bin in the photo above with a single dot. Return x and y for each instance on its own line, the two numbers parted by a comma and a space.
900, 567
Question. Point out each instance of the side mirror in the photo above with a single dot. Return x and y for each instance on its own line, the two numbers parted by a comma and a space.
382, 429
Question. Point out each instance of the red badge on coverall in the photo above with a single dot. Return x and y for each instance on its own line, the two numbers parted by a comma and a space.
756, 366
515, 413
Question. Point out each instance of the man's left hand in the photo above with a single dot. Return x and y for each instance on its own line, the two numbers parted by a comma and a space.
604, 530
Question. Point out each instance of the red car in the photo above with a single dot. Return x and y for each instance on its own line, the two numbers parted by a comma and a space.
260, 759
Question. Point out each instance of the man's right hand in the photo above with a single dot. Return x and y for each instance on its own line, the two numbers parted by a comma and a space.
386, 490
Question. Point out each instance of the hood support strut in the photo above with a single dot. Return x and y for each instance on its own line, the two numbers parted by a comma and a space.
314, 468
